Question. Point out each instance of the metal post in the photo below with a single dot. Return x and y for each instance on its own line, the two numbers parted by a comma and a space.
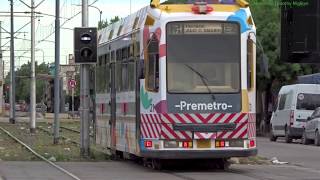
72, 97
56, 79
1, 75
33, 74
12, 118
84, 94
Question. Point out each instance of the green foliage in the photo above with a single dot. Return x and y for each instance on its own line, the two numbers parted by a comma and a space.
267, 20
104, 23
23, 81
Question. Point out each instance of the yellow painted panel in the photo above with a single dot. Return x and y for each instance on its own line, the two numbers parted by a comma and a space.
172, 8
245, 101
243, 3
149, 21
204, 143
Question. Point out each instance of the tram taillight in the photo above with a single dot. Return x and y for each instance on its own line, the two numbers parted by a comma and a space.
220, 143
252, 143
148, 144
187, 144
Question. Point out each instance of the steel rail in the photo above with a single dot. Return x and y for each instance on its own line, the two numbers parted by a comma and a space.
39, 155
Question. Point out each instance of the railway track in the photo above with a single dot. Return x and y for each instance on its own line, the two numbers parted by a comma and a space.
69, 129
72, 139
38, 155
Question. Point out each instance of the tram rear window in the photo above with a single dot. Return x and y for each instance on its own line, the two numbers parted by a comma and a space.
203, 57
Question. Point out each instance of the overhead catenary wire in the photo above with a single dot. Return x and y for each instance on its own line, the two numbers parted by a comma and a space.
51, 33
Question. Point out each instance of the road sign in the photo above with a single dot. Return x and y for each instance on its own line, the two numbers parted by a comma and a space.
72, 83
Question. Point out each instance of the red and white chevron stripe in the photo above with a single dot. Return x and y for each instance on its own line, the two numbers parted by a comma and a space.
241, 131
204, 118
161, 125
199, 135
167, 132
252, 126
150, 126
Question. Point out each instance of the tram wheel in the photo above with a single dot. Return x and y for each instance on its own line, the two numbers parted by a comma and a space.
223, 164
156, 164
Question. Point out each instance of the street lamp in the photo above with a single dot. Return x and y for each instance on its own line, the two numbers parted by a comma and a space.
100, 12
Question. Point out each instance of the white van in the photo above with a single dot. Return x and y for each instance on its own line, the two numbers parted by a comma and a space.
295, 104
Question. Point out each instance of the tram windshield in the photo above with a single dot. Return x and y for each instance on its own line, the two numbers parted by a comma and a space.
203, 57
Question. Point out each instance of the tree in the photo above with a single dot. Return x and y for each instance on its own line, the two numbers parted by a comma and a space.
104, 23
23, 81
266, 15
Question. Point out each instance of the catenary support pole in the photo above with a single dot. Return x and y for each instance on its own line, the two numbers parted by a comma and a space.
84, 95
1, 75
12, 89
33, 74
56, 79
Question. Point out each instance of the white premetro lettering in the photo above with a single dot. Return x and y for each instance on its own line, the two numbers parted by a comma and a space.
202, 106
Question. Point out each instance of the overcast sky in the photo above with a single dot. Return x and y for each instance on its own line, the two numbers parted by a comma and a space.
45, 25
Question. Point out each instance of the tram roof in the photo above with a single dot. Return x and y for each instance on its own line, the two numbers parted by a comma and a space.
136, 20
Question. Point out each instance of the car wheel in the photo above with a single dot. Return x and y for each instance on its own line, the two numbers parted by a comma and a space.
317, 138
287, 137
272, 136
304, 138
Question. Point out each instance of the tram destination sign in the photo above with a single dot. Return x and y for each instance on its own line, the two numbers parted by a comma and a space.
193, 28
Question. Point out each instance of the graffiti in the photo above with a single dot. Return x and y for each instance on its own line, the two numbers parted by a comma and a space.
146, 101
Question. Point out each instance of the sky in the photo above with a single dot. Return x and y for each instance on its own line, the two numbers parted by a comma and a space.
44, 26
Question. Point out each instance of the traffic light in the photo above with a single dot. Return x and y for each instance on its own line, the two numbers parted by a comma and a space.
85, 45
300, 31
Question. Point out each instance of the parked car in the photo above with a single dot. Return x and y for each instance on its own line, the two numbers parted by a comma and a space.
295, 104
311, 129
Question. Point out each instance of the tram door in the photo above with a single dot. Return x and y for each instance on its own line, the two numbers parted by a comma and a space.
112, 104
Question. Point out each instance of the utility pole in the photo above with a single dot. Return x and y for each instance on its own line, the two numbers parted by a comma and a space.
84, 95
33, 74
1, 75
12, 118
72, 96
56, 80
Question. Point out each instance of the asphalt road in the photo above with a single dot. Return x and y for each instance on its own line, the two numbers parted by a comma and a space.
304, 164
295, 153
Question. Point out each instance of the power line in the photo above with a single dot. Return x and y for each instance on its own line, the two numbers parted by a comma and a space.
16, 32
44, 39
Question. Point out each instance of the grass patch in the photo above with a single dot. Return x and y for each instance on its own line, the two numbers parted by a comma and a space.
42, 142
11, 150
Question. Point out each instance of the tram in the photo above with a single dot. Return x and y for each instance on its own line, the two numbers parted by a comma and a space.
178, 81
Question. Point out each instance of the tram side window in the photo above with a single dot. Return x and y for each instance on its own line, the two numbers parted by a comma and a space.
107, 74
124, 69
131, 76
152, 65
250, 58
98, 75
118, 70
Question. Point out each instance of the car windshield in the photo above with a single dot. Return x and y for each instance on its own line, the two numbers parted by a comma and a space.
308, 101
